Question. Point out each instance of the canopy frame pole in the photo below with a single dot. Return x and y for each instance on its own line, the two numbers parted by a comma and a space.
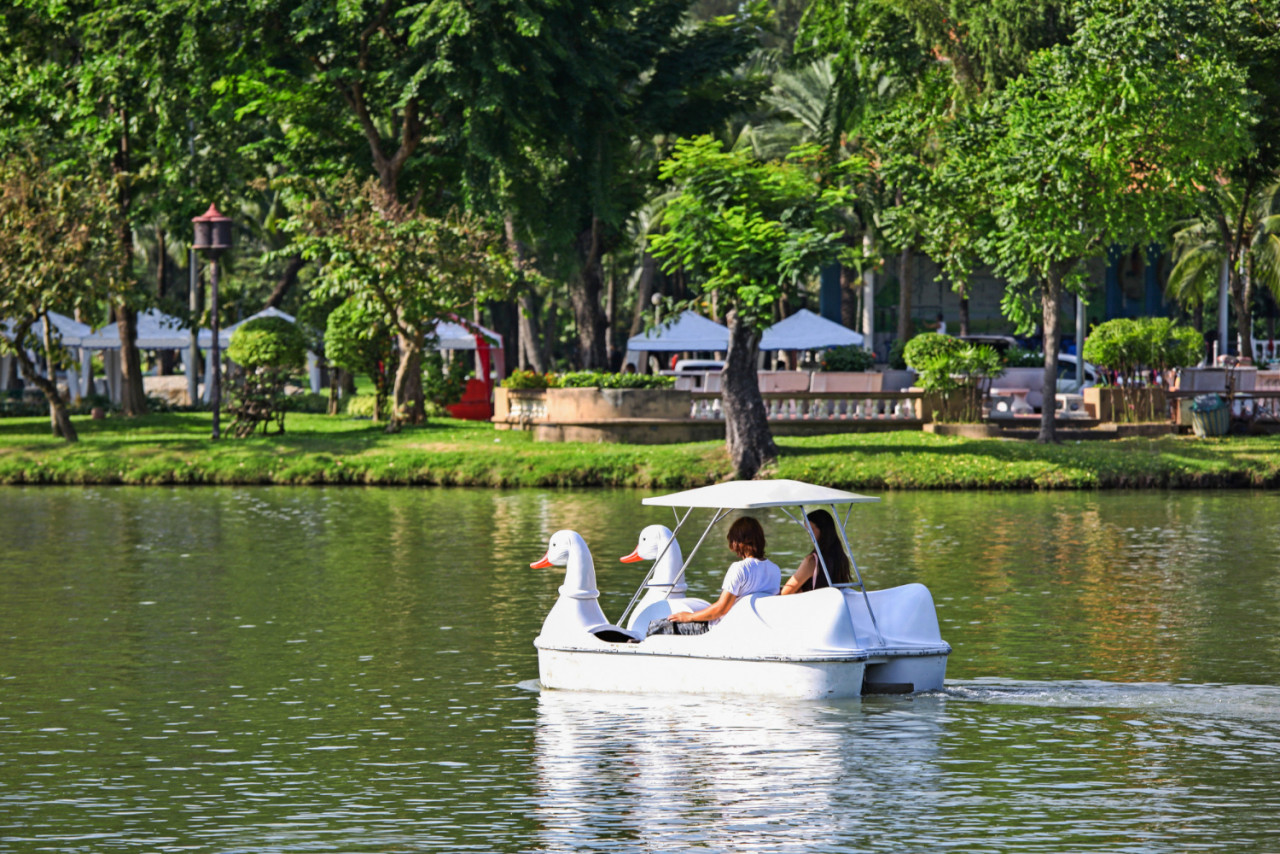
858, 575
643, 584
721, 514
822, 562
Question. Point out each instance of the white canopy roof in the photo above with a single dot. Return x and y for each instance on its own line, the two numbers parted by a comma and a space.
224, 335
752, 494
156, 331
452, 335
687, 333
805, 330
69, 329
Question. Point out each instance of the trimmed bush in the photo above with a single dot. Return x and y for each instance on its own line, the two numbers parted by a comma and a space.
850, 358
269, 350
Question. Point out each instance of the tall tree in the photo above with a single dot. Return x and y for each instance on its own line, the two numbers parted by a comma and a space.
404, 268
1101, 142
748, 232
56, 254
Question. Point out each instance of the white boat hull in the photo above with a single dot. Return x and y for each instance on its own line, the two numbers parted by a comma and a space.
635, 671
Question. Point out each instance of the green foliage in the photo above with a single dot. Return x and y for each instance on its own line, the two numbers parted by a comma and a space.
955, 368
358, 340
850, 358
1016, 357
602, 379
268, 342
749, 230
445, 383
529, 380
1134, 348
366, 406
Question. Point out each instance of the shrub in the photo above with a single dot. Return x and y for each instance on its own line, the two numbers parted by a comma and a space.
528, 379
1016, 357
359, 341
444, 384
366, 406
1136, 352
269, 349
850, 358
600, 379
954, 368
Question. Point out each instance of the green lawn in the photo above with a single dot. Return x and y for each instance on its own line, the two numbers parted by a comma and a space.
175, 448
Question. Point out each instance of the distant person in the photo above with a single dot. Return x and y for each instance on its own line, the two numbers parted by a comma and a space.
809, 575
940, 326
750, 574
629, 368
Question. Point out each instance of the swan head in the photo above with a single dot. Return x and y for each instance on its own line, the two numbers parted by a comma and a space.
652, 541
558, 549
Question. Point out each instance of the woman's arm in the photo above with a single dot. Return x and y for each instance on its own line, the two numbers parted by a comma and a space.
803, 573
715, 612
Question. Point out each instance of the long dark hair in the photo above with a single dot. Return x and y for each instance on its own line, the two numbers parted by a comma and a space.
824, 531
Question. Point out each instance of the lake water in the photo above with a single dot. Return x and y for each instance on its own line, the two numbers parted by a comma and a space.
350, 670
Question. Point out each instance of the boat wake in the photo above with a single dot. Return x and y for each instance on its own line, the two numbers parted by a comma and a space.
1248, 702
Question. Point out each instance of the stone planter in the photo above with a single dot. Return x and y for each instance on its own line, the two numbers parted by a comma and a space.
1109, 404
601, 404
518, 406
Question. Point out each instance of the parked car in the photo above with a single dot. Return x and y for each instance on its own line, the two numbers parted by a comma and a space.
690, 366
1001, 343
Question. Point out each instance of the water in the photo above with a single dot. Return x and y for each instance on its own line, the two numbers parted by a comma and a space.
278, 670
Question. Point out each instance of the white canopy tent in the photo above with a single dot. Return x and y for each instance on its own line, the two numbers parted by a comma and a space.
686, 333
689, 332
805, 330
155, 331
70, 332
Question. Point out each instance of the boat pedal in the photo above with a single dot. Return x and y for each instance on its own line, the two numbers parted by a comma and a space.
888, 687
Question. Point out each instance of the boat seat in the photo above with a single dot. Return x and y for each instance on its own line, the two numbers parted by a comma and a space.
614, 634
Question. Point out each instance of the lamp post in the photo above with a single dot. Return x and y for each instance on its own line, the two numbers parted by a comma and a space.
213, 236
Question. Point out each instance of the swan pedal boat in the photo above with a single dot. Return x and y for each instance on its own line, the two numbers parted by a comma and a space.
836, 642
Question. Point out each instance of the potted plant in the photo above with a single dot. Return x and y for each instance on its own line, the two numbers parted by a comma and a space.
1138, 357
956, 372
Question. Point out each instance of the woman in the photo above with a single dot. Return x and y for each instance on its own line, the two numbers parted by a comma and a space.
751, 573
809, 576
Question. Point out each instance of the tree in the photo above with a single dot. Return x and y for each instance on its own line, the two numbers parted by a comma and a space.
1102, 141
407, 269
56, 253
358, 340
1242, 235
269, 350
748, 232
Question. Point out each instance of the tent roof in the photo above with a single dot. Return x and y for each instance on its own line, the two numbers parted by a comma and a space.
688, 332
69, 329
752, 494
453, 335
224, 335
805, 330
156, 331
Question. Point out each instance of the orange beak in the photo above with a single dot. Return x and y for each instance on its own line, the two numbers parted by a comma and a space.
633, 557
542, 564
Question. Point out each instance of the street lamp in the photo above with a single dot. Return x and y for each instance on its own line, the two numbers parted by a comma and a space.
213, 236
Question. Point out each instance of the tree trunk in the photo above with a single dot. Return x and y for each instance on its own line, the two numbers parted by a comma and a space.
1242, 296
644, 294
1050, 297
850, 290
964, 309
746, 426
584, 294
905, 326
285, 282
530, 352
408, 403
612, 358
60, 419
133, 397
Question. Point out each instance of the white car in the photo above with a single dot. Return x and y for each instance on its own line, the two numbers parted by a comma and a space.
697, 366
1067, 371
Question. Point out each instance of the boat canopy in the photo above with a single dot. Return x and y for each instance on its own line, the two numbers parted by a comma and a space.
753, 494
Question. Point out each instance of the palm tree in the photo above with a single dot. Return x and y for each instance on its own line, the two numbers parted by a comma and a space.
1242, 232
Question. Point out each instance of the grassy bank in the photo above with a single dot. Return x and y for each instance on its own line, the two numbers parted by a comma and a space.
175, 449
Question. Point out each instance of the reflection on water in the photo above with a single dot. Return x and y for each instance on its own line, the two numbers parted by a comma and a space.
290, 670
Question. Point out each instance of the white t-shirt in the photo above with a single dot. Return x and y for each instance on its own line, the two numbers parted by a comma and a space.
752, 575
